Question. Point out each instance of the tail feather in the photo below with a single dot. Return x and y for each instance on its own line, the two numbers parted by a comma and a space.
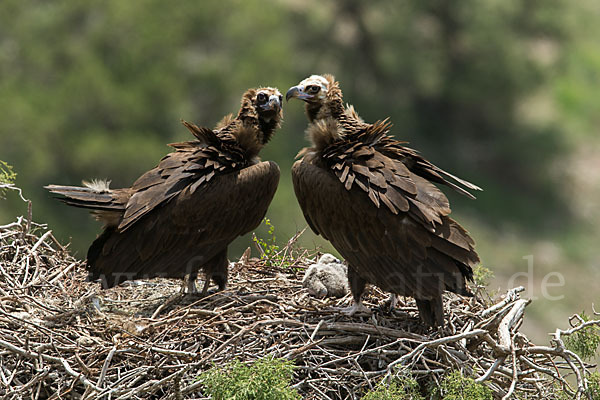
92, 196
106, 205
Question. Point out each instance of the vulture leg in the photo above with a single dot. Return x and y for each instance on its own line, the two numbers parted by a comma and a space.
357, 287
393, 300
205, 287
219, 274
216, 269
191, 283
431, 311
188, 285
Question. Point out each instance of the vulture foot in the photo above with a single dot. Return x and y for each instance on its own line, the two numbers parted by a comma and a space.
205, 288
188, 286
392, 302
356, 308
191, 286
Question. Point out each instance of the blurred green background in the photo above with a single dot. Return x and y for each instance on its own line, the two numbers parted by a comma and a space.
503, 93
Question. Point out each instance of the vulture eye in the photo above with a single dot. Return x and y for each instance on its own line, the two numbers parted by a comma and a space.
261, 98
313, 89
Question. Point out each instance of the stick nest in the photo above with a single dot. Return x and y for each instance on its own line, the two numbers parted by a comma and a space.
62, 337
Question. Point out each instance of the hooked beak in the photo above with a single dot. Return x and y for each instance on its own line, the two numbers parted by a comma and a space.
272, 105
298, 93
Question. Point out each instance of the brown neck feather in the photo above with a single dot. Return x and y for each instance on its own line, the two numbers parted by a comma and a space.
245, 127
330, 107
329, 121
247, 113
250, 130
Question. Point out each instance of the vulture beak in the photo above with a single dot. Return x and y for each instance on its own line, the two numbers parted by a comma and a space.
297, 92
272, 105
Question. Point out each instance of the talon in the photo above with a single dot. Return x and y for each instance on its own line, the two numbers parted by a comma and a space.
191, 286
356, 308
205, 288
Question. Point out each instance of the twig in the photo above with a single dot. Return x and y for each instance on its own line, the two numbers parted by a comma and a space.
491, 369
137, 346
56, 360
510, 296
515, 376
433, 343
109, 357
514, 315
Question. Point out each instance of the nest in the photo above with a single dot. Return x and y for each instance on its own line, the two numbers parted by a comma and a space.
62, 337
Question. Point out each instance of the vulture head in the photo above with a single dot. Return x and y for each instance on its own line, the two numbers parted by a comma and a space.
322, 96
262, 105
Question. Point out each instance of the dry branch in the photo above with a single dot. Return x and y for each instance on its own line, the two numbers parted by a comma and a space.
62, 336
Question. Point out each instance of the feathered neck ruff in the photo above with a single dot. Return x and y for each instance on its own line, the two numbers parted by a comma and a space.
329, 120
249, 129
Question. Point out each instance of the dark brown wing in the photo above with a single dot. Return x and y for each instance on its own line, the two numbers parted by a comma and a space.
191, 166
387, 182
180, 235
392, 176
406, 243
423, 168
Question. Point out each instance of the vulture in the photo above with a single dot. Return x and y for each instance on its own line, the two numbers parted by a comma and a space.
377, 202
179, 217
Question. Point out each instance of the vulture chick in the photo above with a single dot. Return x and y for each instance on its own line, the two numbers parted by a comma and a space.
326, 278
179, 217
375, 200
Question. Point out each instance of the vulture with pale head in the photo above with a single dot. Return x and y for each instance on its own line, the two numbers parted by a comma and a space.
376, 201
179, 217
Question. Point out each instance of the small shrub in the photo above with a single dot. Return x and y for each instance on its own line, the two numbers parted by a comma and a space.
7, 175
266, 379
457, 387
584, 342
270, 251
482, 275
268, 247
400, 388
593, 390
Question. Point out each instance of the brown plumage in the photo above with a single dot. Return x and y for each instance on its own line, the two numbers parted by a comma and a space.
375, 201
180, 216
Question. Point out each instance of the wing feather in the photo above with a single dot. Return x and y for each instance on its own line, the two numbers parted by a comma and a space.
188, 167
189, 230
397, 252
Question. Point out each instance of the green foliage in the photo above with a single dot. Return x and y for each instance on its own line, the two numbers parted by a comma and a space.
7, 175
585, 342
482, 275
400, 388
593, 390
559, 393
457, 387
266, 379
269, 250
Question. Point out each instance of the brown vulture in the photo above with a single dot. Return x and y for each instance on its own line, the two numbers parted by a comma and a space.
179, 217
375, 200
